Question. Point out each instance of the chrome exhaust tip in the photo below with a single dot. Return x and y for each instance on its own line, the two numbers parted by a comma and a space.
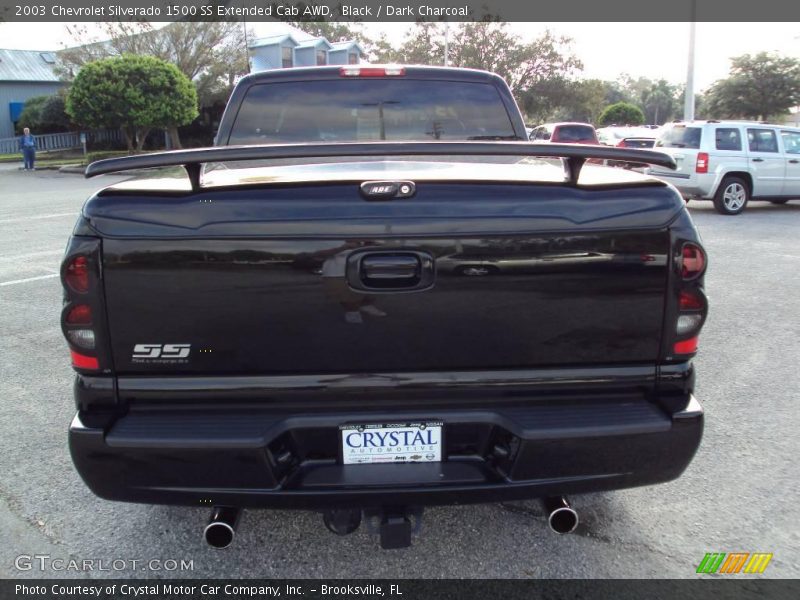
221, 528
561, 517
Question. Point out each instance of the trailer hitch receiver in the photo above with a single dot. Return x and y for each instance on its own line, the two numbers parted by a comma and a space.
394, 525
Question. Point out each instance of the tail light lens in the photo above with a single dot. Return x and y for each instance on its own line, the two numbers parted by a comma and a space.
688, 324
690, 301
693, 261
692, 304
702, 163
691, 313
686, 346
80, 314
81, 361
76, 274
81, 317
83, 338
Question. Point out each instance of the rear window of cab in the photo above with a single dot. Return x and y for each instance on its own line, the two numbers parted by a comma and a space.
354, 110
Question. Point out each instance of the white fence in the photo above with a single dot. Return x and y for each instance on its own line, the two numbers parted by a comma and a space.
62, 141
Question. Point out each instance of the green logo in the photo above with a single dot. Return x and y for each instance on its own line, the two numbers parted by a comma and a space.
734, 562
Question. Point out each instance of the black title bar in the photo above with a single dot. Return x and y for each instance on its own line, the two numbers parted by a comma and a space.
402, 10
398, 589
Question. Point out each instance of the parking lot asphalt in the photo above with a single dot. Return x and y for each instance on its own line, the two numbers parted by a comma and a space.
739, 494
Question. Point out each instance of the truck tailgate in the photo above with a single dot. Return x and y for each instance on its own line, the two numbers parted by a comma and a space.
314, 279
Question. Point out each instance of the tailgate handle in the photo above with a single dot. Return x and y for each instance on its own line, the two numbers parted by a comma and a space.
390, 271
400, 267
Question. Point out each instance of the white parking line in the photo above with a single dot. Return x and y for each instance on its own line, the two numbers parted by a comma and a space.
27, 279
52, 216
17, 257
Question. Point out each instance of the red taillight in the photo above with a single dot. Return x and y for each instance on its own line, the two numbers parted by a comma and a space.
622, 144
702, 163
76, 274
81, 361
691, 301
693, 261
692, 305
686, 346
355, 71
79, 315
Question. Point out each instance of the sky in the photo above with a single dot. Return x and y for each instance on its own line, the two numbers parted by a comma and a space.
654, 50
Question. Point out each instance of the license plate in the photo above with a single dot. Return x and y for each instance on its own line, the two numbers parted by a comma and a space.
391, 443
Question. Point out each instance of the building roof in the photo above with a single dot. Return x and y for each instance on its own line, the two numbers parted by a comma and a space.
27, 65
315, 43
347, 46
272, 40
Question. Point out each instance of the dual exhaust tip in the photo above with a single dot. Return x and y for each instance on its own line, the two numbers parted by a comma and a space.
221, 528
561, 517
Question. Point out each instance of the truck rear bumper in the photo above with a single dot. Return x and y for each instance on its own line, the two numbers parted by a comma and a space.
259, 458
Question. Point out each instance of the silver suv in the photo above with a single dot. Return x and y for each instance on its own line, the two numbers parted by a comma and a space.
732, 162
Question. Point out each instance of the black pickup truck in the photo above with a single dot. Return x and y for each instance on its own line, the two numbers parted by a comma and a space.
407, 308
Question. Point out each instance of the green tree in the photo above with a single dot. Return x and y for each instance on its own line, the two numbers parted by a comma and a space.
32, 113
44, 114
136, 93
656, 99
487, 45
423, 45
633, 89
658, 102
545, 99
621, 113
491, 47
757, 87
615, 93
54, 117
583, 100
700, 107
212, 54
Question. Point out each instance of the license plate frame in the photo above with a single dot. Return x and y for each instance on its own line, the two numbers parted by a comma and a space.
381, 447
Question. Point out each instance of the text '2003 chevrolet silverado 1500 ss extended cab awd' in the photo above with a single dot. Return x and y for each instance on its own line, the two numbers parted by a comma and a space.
367, 323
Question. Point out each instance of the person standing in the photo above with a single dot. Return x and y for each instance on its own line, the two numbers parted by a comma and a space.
27, 143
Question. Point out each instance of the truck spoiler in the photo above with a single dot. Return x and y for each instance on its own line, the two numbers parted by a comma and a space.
574, 155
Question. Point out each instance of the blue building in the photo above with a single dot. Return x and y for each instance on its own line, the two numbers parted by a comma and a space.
312, 53
23, 75
345, 53
283, 51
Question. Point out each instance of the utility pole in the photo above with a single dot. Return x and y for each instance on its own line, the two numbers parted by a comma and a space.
688, 103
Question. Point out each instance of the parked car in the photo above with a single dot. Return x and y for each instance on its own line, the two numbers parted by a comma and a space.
311, 326
627, 137
565, 133
732, 162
